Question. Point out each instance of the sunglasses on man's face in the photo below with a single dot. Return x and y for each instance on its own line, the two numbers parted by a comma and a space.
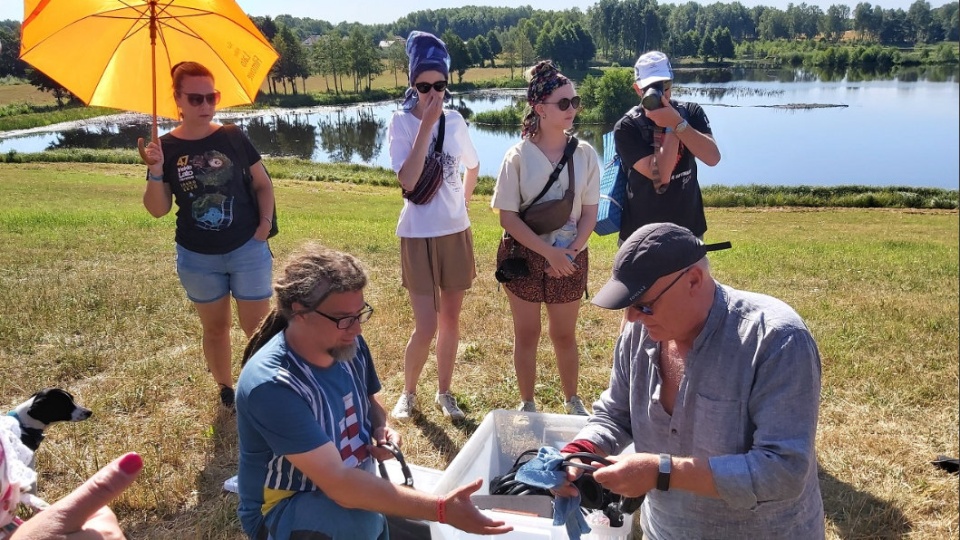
197, 99
424, 87
565, 103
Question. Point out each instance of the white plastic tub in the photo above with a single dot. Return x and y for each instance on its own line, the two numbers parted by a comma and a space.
491, 451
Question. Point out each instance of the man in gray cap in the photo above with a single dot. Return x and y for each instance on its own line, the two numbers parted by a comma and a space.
659, 142
718, 389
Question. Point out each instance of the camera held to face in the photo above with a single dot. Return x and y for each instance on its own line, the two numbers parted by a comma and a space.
652, 96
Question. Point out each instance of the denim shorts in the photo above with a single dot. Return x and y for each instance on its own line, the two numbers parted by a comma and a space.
246, 272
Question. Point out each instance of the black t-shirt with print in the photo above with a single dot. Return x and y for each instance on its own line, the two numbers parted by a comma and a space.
215, 213
682, 203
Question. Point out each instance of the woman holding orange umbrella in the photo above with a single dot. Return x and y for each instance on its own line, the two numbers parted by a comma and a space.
221, 237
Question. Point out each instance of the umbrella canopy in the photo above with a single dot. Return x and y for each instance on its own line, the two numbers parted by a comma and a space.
103, 50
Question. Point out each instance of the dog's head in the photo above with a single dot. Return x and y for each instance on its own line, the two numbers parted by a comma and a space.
51, 405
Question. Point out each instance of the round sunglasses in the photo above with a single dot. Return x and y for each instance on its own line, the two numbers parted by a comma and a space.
565, 103
424, 87
197, 99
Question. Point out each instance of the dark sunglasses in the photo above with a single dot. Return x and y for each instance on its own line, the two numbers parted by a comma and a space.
647, 307
424, 87
565, 103
346, 322
197, 99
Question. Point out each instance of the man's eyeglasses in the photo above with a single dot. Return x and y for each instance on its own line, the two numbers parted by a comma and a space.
424, 87
565, 103
197, 99
346, 322
647, 307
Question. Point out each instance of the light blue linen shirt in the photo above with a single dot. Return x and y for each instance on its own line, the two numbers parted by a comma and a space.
748, 401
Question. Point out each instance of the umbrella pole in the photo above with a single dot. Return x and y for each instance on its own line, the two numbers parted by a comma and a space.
153, 74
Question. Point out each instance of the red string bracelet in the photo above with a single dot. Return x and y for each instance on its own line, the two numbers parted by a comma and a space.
441, 510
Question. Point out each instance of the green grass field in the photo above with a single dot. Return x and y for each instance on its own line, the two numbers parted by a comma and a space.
92, 304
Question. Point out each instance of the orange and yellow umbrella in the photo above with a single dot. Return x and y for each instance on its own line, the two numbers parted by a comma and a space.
118, 53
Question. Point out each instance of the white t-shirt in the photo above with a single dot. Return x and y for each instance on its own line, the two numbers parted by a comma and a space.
446, 213
525, 170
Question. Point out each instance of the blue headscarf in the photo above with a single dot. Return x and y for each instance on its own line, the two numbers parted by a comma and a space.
427, 53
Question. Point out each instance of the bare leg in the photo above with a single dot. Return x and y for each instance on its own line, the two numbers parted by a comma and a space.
215, 317
425, 327
526, 336
251, 313
562, 321
448, 337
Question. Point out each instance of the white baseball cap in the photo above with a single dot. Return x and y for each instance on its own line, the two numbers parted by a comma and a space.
652, 67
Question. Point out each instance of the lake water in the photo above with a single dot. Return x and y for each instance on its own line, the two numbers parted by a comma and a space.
902, 131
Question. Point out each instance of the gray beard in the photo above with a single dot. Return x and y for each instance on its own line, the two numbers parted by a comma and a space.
343, 354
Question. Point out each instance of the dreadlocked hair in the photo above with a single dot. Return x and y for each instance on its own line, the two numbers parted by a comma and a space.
308, 277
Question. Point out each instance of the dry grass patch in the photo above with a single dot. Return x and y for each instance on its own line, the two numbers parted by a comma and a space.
92, 303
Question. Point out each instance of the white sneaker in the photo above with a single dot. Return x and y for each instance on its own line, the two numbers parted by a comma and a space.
448, 405
527, 406
575, 406
403, 410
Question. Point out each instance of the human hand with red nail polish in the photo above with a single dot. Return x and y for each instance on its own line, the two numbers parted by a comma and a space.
84, 513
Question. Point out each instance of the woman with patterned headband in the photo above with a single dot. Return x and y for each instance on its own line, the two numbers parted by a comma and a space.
436, 244
557, 260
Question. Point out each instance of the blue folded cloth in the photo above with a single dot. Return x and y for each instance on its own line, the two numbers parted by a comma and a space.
546, 471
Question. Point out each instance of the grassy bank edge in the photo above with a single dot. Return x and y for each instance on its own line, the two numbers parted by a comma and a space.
716, 196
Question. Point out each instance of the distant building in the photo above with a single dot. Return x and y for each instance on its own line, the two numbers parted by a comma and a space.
311, 40
386, 43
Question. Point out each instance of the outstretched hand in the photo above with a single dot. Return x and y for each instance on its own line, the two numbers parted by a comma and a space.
84, 513
462, 514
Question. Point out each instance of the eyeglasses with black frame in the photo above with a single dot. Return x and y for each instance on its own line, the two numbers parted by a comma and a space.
647, 307
424, 87
197, 99
346, 322
565, 103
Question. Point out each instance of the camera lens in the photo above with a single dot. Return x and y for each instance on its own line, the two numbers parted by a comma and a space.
651, 99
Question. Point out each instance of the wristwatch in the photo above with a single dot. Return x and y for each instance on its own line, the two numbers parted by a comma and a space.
663, 476
682, 126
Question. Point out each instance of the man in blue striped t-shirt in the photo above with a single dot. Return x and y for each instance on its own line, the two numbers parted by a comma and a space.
310, 420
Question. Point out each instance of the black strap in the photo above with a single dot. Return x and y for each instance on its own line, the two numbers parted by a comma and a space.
438, 146
567, 153
395, 450
233, 133
718, 246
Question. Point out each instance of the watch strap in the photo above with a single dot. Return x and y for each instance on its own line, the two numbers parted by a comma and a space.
681, 127
663, 474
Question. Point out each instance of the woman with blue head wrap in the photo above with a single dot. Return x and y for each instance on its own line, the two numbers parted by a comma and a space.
436, 244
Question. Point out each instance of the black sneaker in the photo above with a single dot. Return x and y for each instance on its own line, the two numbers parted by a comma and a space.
227, 397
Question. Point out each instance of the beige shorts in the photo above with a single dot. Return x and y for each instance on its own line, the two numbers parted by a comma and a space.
444, 262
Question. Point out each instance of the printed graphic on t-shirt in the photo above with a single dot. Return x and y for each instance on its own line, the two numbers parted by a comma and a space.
353, 451
205, 180
450, 173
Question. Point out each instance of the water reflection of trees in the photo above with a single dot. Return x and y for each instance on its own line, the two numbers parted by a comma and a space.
715, 93
289, 135
932, 73
343, 136
109, 136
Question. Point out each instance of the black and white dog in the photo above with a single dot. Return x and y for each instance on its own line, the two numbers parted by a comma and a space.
44, 408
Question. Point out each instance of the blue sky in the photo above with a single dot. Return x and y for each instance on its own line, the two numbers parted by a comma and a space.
385, 11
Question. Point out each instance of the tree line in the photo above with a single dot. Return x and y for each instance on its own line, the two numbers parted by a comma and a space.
351, 55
